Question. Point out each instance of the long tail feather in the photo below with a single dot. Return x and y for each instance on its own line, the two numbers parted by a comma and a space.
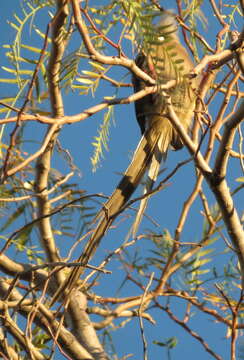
131, 178
152, 175
147, 146
151, 178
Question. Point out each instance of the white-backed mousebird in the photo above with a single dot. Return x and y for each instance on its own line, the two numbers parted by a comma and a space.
164, 59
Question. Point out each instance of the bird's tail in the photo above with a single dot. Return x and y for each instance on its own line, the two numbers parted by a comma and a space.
146, 150
152, 175
147, 147
150, 180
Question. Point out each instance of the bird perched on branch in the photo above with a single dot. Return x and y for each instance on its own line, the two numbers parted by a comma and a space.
164, 58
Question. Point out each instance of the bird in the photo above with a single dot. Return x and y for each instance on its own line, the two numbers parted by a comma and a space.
164, 58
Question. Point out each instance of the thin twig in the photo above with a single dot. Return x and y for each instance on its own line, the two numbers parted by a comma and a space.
141, 310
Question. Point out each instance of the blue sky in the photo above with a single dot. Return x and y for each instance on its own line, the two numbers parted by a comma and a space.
164, 207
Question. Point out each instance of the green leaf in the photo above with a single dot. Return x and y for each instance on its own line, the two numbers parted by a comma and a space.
12, 217
84, 81
205, 252
9, 81
90, 73
170, 343
240, 179
101, 141
21, 72
97, 66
